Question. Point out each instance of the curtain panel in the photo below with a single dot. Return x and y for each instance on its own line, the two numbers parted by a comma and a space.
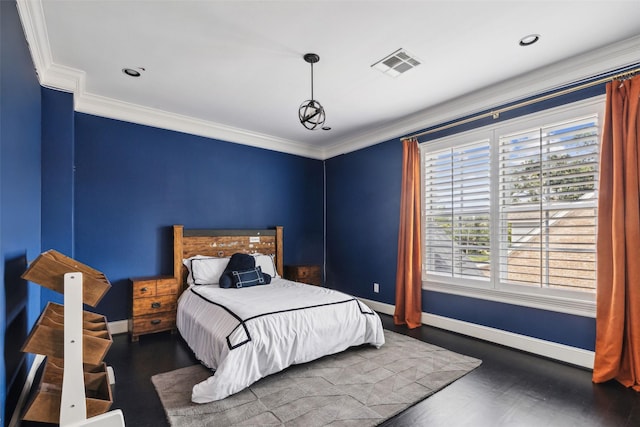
408, 308
617, 352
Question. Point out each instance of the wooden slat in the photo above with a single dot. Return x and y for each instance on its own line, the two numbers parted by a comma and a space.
47, 338
280, 250
213, 232
49, 268
224, 246
52, 309
178, 267
45, 405
54, 370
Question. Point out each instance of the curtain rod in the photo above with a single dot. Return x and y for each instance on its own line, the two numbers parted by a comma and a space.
496, 113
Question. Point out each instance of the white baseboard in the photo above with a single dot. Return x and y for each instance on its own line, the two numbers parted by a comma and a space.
118, 327
561, 352
380, 307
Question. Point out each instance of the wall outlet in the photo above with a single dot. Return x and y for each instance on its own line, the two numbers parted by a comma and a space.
376, 287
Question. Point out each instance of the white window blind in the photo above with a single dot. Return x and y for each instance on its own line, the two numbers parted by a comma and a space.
510, 210
456, 211
548, 205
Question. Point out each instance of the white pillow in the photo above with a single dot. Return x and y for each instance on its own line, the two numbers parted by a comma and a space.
267, 264
204, 270
187, 263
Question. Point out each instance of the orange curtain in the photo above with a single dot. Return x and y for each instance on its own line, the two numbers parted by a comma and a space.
617, 354
409, 273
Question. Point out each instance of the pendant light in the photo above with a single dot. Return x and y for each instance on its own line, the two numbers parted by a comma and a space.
311, 113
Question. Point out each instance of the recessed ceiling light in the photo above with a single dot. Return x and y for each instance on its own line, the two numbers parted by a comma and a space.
529, 40
133, 72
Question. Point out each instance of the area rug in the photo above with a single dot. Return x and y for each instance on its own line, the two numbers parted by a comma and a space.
362, 386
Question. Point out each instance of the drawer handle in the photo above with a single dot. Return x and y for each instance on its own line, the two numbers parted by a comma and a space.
156, 321
145, 289
156, 305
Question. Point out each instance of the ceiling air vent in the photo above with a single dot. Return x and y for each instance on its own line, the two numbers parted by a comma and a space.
397, 63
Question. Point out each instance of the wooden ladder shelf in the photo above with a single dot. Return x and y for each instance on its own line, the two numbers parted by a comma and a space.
75, 388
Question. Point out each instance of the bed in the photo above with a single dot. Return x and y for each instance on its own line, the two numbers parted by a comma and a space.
246, 333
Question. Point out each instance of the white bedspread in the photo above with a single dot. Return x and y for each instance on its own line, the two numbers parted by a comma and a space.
246, 334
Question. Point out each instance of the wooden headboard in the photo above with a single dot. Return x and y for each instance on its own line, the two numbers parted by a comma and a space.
224, 243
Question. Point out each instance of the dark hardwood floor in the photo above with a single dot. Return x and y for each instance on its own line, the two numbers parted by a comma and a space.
510, 388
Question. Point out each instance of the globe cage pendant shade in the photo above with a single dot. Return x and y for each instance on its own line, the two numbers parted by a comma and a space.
311, 113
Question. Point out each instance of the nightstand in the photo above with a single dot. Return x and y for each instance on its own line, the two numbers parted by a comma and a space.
310, 274
154, 303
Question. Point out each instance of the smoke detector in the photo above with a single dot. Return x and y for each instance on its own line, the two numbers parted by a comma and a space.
397, 63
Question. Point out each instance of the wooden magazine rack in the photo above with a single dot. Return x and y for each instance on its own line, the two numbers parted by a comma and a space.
75, 388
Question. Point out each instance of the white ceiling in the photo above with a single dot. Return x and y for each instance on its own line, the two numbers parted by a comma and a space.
234, 70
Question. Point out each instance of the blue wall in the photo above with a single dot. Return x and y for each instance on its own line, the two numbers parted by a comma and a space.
363, 208
19, 202
57, 177
133, 182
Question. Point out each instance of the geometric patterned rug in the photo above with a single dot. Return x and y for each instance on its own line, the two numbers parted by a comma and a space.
362, 386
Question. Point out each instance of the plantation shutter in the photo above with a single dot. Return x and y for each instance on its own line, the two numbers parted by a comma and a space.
548, 205
456, 211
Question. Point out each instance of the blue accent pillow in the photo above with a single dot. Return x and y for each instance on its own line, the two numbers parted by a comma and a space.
242, 263
237, 262
246, 278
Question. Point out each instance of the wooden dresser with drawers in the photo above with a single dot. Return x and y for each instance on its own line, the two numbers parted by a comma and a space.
310, 274
154, 304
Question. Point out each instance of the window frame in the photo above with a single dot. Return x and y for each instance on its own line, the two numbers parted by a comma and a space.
566, 301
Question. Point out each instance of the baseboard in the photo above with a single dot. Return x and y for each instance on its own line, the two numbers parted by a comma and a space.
380, 307
118, 327
561, 352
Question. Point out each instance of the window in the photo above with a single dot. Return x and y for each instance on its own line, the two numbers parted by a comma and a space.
457, 209
547, 199
510, 212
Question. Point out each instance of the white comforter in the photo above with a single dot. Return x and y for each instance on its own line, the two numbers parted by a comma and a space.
246, 334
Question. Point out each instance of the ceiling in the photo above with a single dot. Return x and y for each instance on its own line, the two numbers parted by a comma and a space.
234, 70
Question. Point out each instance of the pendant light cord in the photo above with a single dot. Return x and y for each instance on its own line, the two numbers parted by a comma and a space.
312, 81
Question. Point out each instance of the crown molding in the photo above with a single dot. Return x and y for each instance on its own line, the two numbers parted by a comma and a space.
35, 31
67, 79
49, 74
114, 109
577, 68
55, 76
